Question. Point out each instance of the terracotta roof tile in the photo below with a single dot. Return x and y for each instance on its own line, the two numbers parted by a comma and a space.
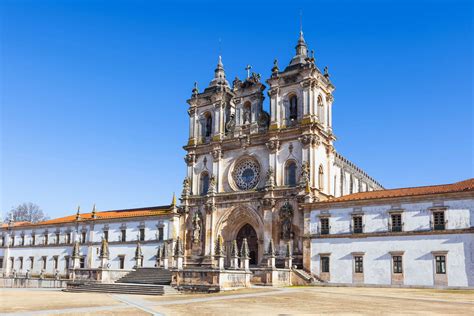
115, 214
466, 185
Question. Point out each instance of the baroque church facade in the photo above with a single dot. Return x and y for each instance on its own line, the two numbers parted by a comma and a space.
266, 200
249, 172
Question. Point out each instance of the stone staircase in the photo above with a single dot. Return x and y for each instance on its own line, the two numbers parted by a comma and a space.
143, 281
147, 276
117, 288
307, 277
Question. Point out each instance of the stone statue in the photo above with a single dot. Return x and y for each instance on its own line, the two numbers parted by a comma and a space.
270, 178
197, 227
286, 219
230, 125
304, 177
263, 119
212, 184
186, 187
246, 115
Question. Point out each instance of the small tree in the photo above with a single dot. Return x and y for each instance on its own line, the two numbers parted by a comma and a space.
26, 212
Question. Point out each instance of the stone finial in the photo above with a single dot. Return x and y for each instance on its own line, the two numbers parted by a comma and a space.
159, 253
78, 214
178, 248
138, 251
173, 200
288, 252
271, 248
326, 72
76, 250
104, 249
195, 89
219, 248
245, 252
186, 187
275, 68
165, 251
234, 251
94, 213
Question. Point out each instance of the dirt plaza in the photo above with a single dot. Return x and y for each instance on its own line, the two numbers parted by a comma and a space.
254, 301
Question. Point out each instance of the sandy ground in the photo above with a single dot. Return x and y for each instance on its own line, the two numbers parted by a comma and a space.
255, 301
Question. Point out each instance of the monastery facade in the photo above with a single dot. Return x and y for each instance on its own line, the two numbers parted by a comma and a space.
266, 191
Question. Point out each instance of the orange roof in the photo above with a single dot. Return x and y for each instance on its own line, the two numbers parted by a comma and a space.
137, 212
462, 186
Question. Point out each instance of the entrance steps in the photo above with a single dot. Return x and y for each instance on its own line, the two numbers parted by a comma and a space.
118, 288
307, 277
157, 276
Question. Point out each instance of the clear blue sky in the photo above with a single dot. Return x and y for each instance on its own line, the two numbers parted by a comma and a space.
93, 92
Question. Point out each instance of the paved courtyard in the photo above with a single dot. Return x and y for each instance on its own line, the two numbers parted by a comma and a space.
255, 301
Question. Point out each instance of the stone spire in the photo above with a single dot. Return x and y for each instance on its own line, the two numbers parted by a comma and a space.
244, 252
78, 214
219, 75
288, 252
173, 200
159, 253
234, 250
219, 249
94, 213
178, 248
271, 248
76, 250
104, 249
301, 51
138, 251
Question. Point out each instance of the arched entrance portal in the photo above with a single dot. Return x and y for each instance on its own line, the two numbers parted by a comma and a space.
248, 232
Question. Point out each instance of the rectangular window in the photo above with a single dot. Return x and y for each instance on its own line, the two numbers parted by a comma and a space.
83, 237
396, 222
12, 262
68, 238
21, 262
357, 222
57, 238
12, 241
66, 261
160, 233
33, 239
124, 235
325, 264
3, 241
45, 260
32, 262
22, 240
121, 262
438, 219
1, 262
324, 226
440, 264
397, 264
82, 262
45, 239
142, 234
106, 235
359, 264
56, 262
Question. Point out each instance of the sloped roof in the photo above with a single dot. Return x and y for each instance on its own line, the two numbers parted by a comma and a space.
103, 215
466, 185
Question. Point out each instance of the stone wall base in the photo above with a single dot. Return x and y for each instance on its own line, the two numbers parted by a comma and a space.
209, 280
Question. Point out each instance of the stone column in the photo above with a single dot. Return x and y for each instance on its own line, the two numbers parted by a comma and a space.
165, 256
138, 256
104, 254
6, 255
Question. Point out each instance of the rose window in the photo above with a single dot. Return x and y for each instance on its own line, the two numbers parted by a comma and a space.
246, 174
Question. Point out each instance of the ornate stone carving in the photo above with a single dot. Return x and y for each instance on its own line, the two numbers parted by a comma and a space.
275, 68
309, 139
246, 174
190, 158
230, 125
246, 115
271, 249
329, 98
234, 250
178, 248
245, 252
212, 185
216, 153
305, 174
219, 248
273, 145
270, 182
197, 227
263, 119
286, 220
186, 187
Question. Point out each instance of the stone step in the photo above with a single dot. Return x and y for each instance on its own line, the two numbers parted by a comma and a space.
120, 288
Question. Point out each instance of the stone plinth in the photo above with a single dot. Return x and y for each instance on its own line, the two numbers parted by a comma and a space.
271, 277
209, 280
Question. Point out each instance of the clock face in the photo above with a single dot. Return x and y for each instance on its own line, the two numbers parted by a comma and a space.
247, 174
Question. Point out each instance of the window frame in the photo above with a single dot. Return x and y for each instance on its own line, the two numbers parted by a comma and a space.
358, 264
325, 264
291, 164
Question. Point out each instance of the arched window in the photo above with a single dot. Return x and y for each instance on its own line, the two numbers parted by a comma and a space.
204, 183
293, 108
208, 125
321, 178
247, 113
290, 174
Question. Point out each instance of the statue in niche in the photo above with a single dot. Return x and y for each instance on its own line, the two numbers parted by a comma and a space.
197, 227
230, 125
286, 220
246, 114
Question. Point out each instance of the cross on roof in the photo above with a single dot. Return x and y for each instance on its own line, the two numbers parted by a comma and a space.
248, 70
